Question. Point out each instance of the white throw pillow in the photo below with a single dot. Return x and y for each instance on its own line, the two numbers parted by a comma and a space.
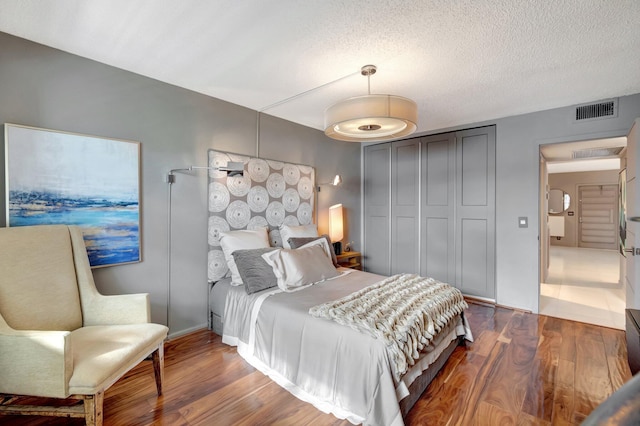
322, 242
287, 232
299, 268
241, 240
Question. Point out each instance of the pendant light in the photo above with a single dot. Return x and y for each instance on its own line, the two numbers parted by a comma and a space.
370, 117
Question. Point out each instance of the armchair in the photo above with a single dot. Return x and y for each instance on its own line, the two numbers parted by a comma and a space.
59, 337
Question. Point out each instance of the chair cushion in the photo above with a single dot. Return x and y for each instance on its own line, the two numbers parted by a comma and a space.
102, 354
39, 288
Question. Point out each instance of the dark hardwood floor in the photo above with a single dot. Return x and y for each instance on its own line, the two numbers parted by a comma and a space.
522, 369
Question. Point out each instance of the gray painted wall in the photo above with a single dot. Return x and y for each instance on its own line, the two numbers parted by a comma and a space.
569, 183
518, 140
48, 88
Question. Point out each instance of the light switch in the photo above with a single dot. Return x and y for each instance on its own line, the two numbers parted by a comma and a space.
523, 222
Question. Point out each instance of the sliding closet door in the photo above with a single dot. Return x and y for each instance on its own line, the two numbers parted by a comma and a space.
475, 211
377, 208
429, 208
438, 256
405, 207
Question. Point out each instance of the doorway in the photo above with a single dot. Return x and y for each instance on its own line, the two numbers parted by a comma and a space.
580, 258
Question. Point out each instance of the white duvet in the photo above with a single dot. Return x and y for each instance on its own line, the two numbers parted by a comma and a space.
336, 368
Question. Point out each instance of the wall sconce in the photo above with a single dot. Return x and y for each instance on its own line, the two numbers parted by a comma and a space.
336, 227
337, 180
232, 168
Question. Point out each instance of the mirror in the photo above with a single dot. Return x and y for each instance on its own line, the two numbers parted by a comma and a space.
559, 201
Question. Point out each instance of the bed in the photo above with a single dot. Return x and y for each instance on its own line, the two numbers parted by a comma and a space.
291, 332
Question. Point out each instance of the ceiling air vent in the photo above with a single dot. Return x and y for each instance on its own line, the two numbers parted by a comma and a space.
597, 152
599, 110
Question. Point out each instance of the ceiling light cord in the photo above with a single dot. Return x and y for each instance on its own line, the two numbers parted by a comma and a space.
258, 134
306, 92
368, 70
289, 99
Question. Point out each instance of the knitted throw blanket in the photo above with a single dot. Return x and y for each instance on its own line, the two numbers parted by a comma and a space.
405, 311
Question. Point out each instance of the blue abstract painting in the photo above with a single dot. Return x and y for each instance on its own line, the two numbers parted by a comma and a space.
64, 178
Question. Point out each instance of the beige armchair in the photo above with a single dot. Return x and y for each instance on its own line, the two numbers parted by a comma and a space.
59, 337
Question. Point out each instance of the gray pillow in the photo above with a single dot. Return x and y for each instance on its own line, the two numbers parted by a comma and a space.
256, 273
296, 242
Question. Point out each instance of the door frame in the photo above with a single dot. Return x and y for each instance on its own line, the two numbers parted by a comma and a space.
543, 179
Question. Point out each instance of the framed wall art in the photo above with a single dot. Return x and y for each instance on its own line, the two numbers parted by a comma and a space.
55, 177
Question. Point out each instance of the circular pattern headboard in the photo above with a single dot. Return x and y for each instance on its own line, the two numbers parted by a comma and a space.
268, 194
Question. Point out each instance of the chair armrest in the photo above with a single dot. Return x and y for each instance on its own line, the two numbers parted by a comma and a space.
35, 362
117, 309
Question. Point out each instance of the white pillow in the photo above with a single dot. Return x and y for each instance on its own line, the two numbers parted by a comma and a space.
296, 269
241, 240
287, 232
322, 242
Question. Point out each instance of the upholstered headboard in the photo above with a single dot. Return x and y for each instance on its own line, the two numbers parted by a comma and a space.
269, 194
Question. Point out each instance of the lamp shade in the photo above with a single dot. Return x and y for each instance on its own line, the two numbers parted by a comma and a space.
371, 118
336, 223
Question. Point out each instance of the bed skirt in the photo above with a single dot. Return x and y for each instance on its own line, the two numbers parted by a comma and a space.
421, 383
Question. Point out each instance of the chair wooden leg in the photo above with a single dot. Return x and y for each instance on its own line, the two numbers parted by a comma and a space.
93, 409
158, 367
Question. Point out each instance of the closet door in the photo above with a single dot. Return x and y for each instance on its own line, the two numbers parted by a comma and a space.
377, 208
475, 211
438, 256
405, 207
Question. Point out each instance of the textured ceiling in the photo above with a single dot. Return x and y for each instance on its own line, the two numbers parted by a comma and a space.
462, 61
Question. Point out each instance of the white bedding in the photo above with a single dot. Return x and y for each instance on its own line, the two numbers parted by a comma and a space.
334, 367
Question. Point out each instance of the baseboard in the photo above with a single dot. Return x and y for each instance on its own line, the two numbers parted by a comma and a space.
492, 303
186, 331
480, 300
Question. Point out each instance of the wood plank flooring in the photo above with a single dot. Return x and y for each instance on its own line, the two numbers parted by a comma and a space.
522, 369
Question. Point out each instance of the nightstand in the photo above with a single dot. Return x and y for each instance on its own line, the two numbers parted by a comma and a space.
350, 259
